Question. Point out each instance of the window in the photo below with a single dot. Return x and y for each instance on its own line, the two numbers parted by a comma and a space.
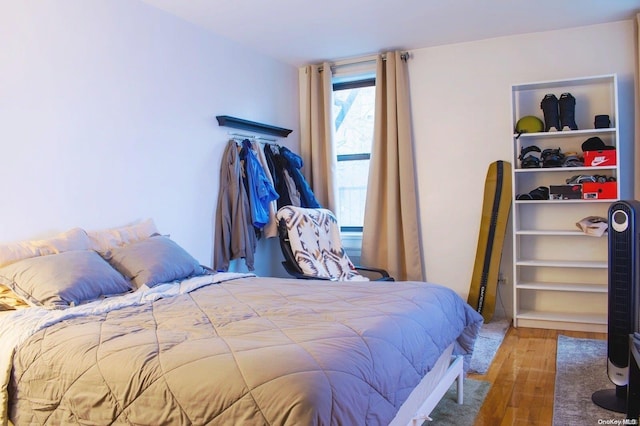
353, 113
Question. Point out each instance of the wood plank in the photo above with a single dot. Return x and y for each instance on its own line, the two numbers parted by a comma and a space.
522, 377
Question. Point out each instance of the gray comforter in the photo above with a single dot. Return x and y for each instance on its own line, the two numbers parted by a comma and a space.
247, 351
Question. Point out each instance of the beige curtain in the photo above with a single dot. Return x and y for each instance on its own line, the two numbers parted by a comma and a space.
391, 235
636, 166
316, 133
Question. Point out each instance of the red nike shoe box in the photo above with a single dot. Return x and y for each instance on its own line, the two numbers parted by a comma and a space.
605, 157
599, 191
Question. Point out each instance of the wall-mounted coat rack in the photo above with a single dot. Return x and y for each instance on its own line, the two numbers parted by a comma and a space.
239, 123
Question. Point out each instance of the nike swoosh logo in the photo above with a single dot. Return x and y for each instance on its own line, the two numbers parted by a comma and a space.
598, 161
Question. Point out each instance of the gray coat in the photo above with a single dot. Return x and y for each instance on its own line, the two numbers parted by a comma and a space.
235, 237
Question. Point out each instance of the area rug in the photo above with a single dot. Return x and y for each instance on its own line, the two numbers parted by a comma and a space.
449, 412
487, 344
581, 369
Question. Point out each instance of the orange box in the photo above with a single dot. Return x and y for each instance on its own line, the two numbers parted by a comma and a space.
599, 191
606, 157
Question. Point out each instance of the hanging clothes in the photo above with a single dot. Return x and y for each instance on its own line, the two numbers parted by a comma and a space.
235, 237
293, 165
292, 188
276, 166
261, 191
270, 230
254, 184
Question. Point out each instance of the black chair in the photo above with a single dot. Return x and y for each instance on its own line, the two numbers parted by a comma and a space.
312, 248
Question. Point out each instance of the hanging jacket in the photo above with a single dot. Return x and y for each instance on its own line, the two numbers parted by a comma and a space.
276, 166
294, 194
293, 165
270, 230
261, 191
234, 234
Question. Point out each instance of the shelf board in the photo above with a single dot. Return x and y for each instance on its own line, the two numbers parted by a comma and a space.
608, 200
567, 287
554, 84
563, 317
551, 233
565, 169
566, 133
253, 126
564, 263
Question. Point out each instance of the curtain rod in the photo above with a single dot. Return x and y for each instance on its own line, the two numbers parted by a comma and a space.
362, 60
371, 58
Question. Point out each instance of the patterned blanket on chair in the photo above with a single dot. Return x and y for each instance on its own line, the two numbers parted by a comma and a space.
315, 241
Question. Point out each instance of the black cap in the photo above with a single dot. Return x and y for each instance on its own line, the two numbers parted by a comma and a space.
595, 144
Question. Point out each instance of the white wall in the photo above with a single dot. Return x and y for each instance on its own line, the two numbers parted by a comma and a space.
461, 98
107, 115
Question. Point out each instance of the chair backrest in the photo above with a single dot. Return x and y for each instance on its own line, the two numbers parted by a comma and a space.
315, 244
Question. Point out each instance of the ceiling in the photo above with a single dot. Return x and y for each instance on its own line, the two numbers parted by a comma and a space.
305, 31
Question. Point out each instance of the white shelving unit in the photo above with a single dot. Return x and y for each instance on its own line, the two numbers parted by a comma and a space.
560, 274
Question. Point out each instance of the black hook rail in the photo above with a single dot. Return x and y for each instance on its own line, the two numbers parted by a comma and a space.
239, 123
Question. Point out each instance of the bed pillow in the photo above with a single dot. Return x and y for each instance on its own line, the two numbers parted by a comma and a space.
152, 261
9, 300
107, 239
64, 279
73, 239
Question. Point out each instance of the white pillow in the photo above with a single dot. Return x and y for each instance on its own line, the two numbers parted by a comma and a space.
73, 239
104, 240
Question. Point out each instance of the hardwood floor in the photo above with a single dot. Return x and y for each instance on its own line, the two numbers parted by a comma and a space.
522, 377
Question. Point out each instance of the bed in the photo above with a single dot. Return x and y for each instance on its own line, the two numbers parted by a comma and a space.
184, 345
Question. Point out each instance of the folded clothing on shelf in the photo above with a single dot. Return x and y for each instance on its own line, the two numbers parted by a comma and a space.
593, 225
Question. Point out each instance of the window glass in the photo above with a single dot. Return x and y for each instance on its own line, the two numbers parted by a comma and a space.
353, 114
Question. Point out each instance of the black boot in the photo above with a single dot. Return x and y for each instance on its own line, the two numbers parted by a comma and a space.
567, 106
549, 106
